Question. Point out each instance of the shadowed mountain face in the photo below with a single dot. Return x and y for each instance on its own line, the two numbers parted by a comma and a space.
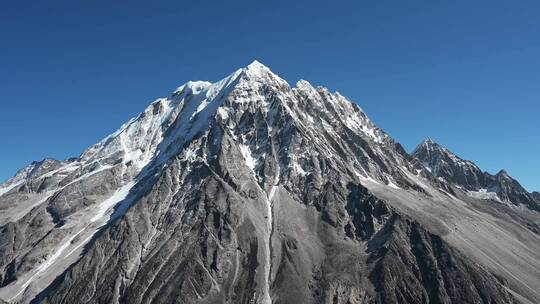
249, 190
501, 187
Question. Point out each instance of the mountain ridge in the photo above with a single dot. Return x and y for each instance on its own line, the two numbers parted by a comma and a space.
465, 174
235, 191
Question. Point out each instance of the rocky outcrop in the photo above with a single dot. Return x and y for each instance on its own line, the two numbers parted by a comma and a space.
442, 163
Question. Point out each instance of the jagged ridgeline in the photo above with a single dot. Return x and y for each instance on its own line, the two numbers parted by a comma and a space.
248, 190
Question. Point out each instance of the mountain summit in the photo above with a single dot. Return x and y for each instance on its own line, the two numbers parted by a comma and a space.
250, 190
443, 163
501, 187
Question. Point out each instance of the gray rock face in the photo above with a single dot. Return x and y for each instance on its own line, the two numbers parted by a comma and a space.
442, 163
251, 191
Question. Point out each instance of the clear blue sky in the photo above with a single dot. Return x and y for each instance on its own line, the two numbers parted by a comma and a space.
465, 73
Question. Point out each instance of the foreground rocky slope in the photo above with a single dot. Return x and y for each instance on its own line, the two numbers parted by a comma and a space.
251, 191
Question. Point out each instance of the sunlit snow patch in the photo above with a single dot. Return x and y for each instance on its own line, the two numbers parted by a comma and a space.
107, 204
250, 161
485, 194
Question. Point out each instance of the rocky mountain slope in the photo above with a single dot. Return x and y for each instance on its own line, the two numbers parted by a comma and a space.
249, 190
464, 174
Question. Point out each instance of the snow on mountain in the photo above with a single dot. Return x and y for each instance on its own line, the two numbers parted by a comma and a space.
466, 175
250, 190
441, 162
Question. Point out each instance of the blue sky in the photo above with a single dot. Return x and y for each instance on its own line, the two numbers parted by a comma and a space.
465, 73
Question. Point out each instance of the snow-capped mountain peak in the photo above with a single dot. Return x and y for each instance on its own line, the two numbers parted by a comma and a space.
247, 188
440, 161
464, 174
257, 68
